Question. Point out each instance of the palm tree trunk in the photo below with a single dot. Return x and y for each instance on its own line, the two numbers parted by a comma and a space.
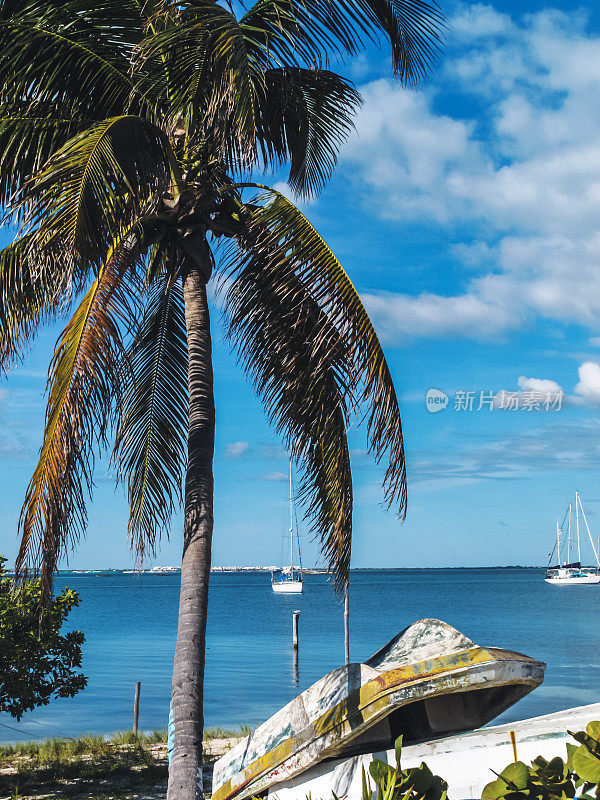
185, 770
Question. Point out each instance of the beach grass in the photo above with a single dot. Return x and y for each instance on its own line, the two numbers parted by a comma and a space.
118, 763
57, 749
222, 733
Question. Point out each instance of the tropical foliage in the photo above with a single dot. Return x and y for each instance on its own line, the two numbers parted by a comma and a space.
130, 136
37, 660
395, 783
557, 779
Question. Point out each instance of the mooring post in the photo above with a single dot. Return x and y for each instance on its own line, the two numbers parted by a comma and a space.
295, 672
295, 617
136, 707
347, 623
513, 741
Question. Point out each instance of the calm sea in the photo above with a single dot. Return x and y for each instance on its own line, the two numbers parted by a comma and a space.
130, 625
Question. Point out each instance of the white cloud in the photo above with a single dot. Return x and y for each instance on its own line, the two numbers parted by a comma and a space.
400, 316
586, 391
523, 177
236, 450
410, 156
276, 476
533, 394
480, 21
589, 383
548, 448
538, 385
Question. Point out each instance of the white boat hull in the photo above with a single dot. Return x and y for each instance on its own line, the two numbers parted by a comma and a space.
574, 581
287, 587
464, 761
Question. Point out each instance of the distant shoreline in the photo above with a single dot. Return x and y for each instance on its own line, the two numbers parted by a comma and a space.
307, 571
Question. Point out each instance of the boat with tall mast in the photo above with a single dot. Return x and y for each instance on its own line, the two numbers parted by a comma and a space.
289, 579
571, 573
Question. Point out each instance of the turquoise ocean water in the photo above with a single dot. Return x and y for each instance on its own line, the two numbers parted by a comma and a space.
130, 625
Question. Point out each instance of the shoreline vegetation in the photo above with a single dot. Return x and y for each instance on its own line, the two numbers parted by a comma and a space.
122, 766
128, 766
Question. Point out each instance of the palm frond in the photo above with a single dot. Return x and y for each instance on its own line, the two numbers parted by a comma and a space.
238, 82
74, 52
150, 447
304, 115
29, 134
96, 184
211, 76
84, 382
414, 29
31, 288
282, 234
296, 360
282, 33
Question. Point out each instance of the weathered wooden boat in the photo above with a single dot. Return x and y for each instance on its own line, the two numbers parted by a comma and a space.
427, 682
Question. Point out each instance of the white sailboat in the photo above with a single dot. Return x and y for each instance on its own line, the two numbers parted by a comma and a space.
289, 579
571, 573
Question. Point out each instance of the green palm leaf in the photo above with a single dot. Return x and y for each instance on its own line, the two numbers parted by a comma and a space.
413, 27
150, 447
89, 192
280, 235
304, 116
73, 52
84, 381
296, 359
30, 289
212, 74
29, 134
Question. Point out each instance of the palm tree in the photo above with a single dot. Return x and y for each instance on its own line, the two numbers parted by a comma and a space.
130, 133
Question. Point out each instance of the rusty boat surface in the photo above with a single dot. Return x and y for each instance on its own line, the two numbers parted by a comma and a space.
428, 681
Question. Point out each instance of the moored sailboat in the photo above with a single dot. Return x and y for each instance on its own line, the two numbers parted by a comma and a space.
572, 573
289, 580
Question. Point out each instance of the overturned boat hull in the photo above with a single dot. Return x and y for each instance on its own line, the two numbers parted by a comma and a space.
466, 761
430, 680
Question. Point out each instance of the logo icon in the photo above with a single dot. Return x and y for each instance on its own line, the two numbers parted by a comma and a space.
435, 400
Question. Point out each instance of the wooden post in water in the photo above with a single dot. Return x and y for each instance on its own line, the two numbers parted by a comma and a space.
347, 623
136, 707
295, 617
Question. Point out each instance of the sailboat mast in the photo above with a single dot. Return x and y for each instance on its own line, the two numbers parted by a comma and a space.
291, 526
577, 502
589, 534
570, 508
558, 543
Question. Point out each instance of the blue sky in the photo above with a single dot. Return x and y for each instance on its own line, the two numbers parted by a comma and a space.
466, 213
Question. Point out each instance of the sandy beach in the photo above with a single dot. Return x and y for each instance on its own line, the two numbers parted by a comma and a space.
130, 773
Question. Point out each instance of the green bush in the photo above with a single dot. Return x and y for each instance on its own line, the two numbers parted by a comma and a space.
37, 662
395, 783
578, 776
555, 779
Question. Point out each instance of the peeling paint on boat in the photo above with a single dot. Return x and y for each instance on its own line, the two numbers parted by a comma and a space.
430, 671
